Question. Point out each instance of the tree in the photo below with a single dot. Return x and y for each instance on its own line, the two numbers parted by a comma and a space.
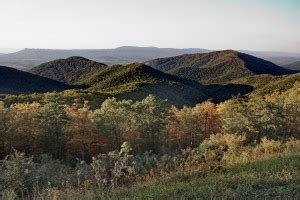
22, 126
113, 119
189, 126
150, 119
52, 134
85, 140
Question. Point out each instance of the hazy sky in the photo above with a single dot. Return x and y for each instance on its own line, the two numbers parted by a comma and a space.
213, 24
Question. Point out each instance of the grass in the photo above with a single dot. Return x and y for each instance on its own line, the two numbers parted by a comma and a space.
277, 178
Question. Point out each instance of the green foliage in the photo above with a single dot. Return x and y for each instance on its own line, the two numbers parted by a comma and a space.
216, 67
221, 147
17, 172
52, 137
274, 116
268, 84
110, 172
141, 123
70, 70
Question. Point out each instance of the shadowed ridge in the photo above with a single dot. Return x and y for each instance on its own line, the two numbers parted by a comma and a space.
13, 81
70, 70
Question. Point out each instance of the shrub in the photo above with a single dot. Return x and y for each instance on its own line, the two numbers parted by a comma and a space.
17, 173
270, 146
113, 169
221, 147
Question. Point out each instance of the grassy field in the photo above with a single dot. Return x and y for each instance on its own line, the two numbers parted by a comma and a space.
277, 178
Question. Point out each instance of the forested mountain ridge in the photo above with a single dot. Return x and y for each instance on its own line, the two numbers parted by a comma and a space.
217, 67
13, 81
139, 80
68, 71
229, 75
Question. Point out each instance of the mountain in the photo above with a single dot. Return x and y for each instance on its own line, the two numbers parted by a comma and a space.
28, 58
216, 67
135, 81
68, 71
293, 66
13, 81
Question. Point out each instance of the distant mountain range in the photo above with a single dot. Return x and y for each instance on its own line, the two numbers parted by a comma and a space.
28, 58
294, 65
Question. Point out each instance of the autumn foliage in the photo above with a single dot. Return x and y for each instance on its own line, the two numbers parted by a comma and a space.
76, 131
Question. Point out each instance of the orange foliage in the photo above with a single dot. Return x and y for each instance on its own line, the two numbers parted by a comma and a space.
189, 126
85, 140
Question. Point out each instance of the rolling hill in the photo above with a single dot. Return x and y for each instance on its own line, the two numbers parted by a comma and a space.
13, 81
216, 67
136, 81
68, 71
293, 66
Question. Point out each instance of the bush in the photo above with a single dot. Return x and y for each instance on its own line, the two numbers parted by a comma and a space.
114, 169
270, 146
17, 173
221, 148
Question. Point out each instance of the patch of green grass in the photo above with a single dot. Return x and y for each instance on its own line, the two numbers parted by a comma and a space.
277, 178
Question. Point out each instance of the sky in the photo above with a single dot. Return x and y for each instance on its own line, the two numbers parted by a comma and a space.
261, 25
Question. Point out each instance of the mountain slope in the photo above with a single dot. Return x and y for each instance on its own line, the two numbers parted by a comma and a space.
293, 66
216, 67
268, 84
136, 81
69, 71
13, 81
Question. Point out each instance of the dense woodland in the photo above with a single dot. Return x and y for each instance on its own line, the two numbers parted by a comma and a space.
123, 141
65, 131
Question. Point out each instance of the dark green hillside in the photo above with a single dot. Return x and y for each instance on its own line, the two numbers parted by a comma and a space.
69, 71
267, 84
132, 73
13, 81
136, 81
293, 66
217, 67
